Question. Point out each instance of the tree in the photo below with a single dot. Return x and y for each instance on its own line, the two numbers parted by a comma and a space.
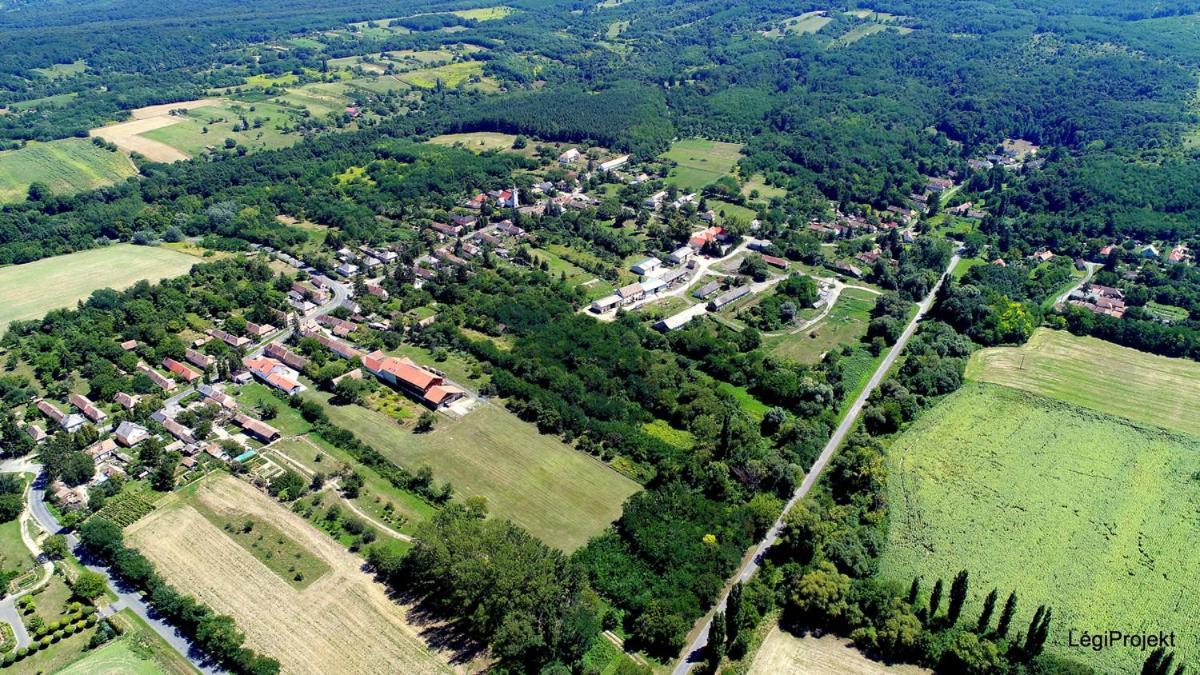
717, 636
733, 609
163, 478
1006, 615
425, 422
102, 537
90, 585
55, 546
985, 617
660, 630
958, 597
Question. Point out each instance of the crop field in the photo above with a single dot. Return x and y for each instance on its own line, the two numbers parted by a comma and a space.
342, 622
560, 495
1099, 375
318, 98
29, 291
701, 162
783, 652
1000, 482
845, 324
65, 166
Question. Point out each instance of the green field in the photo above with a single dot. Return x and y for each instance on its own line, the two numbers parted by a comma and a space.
65, 166
29, 291
450, 75
758, 184
846, 324
809, 22
477, 140
54, 101
115, 658
701, 162
279, 553
189, 136
1099, 375
61, 70
484, 13
1001, 482
559, 494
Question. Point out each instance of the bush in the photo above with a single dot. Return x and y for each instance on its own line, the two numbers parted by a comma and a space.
91, 620
43, 643
88, 611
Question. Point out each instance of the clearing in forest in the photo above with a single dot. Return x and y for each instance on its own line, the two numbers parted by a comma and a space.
31, 290
999, 482
561, 495
479, 141
783, 652
1090, 372
700, 162
343, 622
65, 166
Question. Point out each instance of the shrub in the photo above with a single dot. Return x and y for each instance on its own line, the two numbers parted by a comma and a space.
43, 643
91, 620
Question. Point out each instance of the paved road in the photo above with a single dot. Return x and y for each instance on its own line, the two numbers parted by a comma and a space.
694, 652
126, 597
1091, 272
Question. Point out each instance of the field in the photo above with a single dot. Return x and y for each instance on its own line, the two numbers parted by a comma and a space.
115, 658
560, 495
484, 13
188, 134
701, 162
809, 22
1000, 482
65, 166
450, 75
757, 183
343, 622
859, 32
29, 291
1085, 371
478, 141
845, 324
783, 652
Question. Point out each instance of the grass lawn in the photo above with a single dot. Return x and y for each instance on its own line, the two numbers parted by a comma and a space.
701, 162
753, 407
115, 657
29, 291
1000, 482
559, 494
857, 369
845, 324
147, 645
66, 166
965, 265
287, 420
477, 141
65, 652
1089, 372
727, 210
757, 183
51, 601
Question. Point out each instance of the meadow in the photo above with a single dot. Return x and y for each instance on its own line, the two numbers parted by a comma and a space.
188, 134
478, 141
29, 291
65, 166
782, 652
846, 324
342, 622
1000, 482
1100, 375
809, 22
450, 75
562, 496
701, 162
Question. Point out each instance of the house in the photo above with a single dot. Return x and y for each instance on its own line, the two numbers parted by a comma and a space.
181, 371
259, 430
938, 184
655, 200
235, 341
711, 235
217, 396
607, 303
130, 434
339, 327
129, 345
1107, 251
680, 255
1150, 252
461, 221
445, 230
279, 352
706, 290
68, 497
614, 164
776, 261
476, 203
275, 374
1043, 256
178, 430
347, 269
335, 345
570, 156
646, 266
1177, 255
88, 408
259, 330
728, 297
406, 375
999, 262
101, 450
188, 462
375, 290
198, 359
37, 433
71, 423
631, 293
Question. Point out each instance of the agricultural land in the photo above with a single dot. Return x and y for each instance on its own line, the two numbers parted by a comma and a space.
701, 162
65, 166
783, 652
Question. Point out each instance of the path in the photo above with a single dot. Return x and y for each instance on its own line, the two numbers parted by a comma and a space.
1091, 272
698, 639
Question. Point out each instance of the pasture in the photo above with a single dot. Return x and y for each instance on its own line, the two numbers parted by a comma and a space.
1000, 482
29, 291
342, 622
210, 126
450, 75
783, 652
562, 496
701, 162
65, 166
1100, 375
846, 324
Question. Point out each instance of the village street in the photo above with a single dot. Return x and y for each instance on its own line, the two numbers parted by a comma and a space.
698, 638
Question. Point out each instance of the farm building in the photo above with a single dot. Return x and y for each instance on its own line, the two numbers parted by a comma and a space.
652, 286
614, 164
260, 430
728, 297
646, 266
676, 321
706, 290
680, 255
607, 303
631, 293
570, 156
776, 261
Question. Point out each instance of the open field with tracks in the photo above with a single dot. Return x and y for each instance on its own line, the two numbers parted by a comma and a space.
783, 652
66, 166
477, 141
560, 495
343, 622
846, 324
1099, 375
701, 162
1000, 482
29, 291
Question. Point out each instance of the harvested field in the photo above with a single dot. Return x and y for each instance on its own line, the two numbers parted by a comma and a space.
29, 291
127, 136
343, 622
1099, 375
164, 109
783, 652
